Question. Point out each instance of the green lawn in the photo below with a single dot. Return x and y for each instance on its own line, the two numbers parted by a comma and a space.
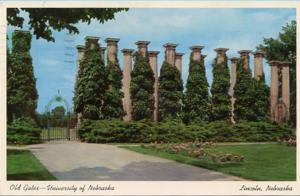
23, 165
263, 162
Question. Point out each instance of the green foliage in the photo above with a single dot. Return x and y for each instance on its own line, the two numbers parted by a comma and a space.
170, 87
261, 101
197, 106
90, 86
22, 94
244, 92
23, 131
113, 105
142, 88
283, 48
221, 104
173, 132
44, 20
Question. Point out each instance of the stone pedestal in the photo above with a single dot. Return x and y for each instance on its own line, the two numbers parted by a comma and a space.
178, 61
142, 47
102, 53
127, 53
234, 63
244, 55
286, 87
170, 53
274, 88
196, 52
258, 65
221, 55
112, 49
153, 64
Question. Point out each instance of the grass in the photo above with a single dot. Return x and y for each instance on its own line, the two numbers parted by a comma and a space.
23, 165
263, 162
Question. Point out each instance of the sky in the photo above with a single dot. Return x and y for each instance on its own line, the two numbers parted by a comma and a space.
237, 29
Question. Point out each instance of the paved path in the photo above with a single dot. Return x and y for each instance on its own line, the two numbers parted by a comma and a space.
81, 161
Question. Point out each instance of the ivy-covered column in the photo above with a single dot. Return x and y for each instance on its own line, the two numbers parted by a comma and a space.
143, 47
274, 87
234, 64
244, 56
102, 53
170, 53
127, 53
178, 61
258, 65
196, 52
153, 64
112, 49
286, 87
80, 52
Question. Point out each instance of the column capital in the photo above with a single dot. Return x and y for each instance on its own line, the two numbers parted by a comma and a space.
80, 48
179, 54
285, 63
244, 52
220, 50
21, 31
274, 63
203, 56
234, 59
196, 48
170, 45
91, 38
142, 43
153, 53
111, 40
102, 48
258, 53
127, 51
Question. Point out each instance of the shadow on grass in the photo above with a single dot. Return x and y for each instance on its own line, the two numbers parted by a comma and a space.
32, 176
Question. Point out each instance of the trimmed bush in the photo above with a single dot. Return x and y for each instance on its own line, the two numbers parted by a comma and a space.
23, 131
173, 132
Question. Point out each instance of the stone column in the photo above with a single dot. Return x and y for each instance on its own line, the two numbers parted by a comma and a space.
102, 53
258, 64
127, 53
286, 87
234, 62
221, 55
80, 50
170, 53
112, 49
153, 64
178, 61
142, 47
244, 55
92, 40
274, 87
196, 52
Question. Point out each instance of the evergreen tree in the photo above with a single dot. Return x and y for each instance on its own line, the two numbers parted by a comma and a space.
142, 88
90, 86
197, 107
244, 92
221, 104
261, 100
113, 105
22, 94
170, 95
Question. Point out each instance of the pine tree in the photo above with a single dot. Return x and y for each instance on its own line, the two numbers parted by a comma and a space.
141, 88
244, 92
113, 105
221, 104
197, 107
91, 85
22, 94
170, 95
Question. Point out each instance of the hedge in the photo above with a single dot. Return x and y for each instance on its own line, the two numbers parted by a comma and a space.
23, 131
105, 131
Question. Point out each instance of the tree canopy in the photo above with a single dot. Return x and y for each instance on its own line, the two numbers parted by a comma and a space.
44, 20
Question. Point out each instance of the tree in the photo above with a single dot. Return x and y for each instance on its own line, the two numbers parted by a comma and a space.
261, 101
221, 104
22, 94
142, 88
113, 105
170, 87
197, 107
58, 111
244, 92
91, 84
283, 48
44, 20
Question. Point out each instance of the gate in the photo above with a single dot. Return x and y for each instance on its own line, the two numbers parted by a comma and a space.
59, 127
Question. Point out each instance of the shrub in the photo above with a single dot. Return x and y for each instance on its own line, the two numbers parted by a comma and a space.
23, 131
174, 132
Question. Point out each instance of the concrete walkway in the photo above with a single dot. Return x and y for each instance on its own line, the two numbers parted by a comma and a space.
82, 161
